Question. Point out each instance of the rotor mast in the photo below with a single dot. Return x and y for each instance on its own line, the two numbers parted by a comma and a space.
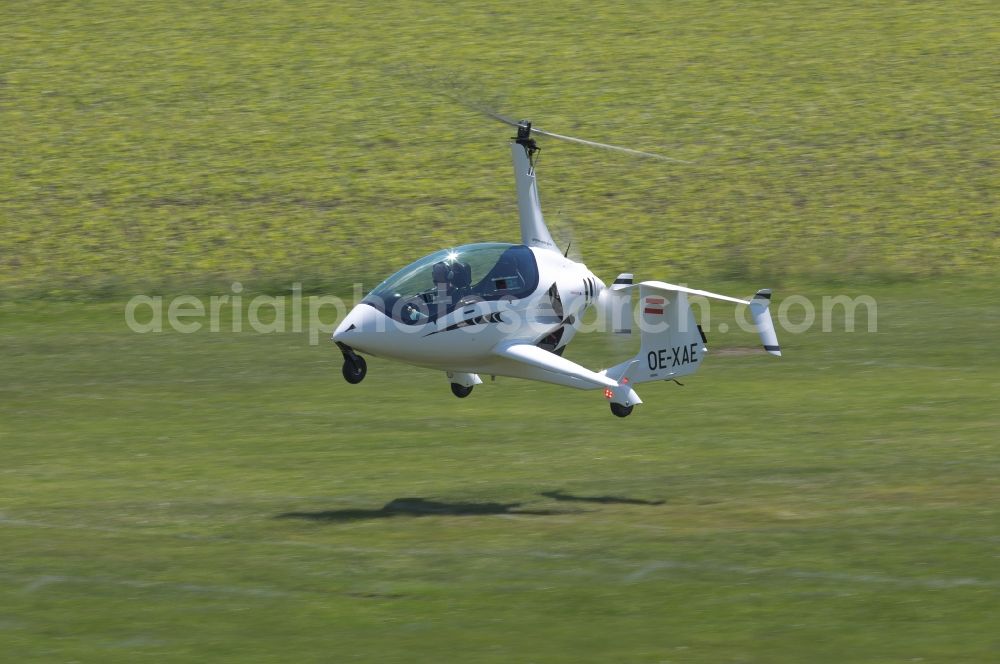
534, 233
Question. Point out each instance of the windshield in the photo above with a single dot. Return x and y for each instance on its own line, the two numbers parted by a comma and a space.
437, 284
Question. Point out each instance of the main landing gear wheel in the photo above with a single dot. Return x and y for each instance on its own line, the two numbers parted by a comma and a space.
354, 369
620, 410
461, 391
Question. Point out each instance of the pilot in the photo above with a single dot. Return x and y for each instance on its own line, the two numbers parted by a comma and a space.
461, 277
451, 279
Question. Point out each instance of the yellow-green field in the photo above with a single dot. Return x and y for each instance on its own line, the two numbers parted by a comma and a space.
174, 145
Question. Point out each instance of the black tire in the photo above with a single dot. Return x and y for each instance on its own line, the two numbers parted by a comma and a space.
355, 368
620, 410
461, 391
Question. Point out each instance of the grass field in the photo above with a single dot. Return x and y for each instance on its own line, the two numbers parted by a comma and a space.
179, 145
228, 497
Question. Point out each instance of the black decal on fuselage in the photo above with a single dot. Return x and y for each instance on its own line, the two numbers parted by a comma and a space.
485, 319
674, 356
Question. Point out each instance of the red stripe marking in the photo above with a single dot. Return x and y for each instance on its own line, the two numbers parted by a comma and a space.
655, 300
648, 310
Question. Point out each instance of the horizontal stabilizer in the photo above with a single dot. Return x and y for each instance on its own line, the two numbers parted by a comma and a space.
660, 285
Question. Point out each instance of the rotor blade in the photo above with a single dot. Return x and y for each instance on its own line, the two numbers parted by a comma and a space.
595, 144
485, 110
497, 116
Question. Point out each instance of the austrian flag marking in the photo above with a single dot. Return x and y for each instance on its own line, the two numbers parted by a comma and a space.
654, 305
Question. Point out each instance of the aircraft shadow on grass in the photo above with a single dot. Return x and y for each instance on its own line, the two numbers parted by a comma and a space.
424, 507
607, 500
420, 507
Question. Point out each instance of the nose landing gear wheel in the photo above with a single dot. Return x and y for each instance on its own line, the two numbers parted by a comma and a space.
354, 369
620, 410
461, 391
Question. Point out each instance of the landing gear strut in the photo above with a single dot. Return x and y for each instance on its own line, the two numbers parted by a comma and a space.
461, 391
620, 410
355, 368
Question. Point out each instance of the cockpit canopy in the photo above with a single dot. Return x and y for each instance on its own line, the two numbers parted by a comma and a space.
445, 280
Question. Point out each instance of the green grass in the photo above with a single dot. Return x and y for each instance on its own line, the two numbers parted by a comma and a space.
179, 145
219, 497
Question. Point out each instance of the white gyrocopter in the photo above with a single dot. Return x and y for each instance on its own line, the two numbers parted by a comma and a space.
502, 309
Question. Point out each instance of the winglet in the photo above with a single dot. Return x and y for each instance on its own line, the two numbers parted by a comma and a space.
762, 320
